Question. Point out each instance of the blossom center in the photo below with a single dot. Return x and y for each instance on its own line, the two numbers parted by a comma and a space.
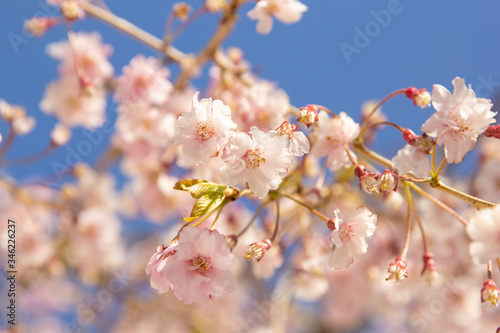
346, 233
199, 264
253, 158
205, 130
286, 129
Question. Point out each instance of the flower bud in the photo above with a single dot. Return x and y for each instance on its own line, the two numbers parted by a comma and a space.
430, 272
181, 10
60, 135
24, 125
493, 131
420, 97
231, 241
71, 10
308, 115
397, 270
490, 293
37, 26
256, 251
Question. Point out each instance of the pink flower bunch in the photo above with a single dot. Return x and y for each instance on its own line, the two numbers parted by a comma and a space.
196, 268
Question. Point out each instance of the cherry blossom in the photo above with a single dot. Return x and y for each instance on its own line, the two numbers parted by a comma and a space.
90, 53
262, 161
350, 234
286, 11
143, 80
484, 230
156, 264
64, 99
299, 144
199, 269
203, 132
411, 159
332, 134
459, 119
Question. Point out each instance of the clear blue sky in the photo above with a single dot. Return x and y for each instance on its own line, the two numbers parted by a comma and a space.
421, 43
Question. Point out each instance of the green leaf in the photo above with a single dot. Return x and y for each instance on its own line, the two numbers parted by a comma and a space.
204, 205
200, 187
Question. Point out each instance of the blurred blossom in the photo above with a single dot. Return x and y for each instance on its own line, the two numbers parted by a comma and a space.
286, 11
484, 230
143, 80
86, 52
332, 134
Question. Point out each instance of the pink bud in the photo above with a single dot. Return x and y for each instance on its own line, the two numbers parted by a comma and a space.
493, 131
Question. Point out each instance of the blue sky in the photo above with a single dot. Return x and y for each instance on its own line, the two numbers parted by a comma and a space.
420, 43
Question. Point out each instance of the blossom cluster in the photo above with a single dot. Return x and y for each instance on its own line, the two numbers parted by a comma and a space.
298, 191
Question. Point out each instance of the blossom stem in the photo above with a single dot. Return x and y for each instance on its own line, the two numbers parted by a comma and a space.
249, 224
498, 262
30, 159
226, 25
360, 147
421, 227
321, 107
167, 32
433, 164
133, 31
439, 204
217, 216
386, 98
350, 155
436, 176
409, 202
76, 61
7, 143
314, 211
476, 202
180, 29
490, 273
276, 225
396, 126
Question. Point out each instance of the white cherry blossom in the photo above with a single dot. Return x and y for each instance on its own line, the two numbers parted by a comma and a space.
410, 159
459, 119
350, 234
332, 134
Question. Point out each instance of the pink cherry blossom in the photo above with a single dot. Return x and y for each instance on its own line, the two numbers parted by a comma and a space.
144, 80
64, 99
332, 134
459, 119
484, 230
203, 132
262, 161
350, 234
286, 11
90, 53
156, 264
199, 269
